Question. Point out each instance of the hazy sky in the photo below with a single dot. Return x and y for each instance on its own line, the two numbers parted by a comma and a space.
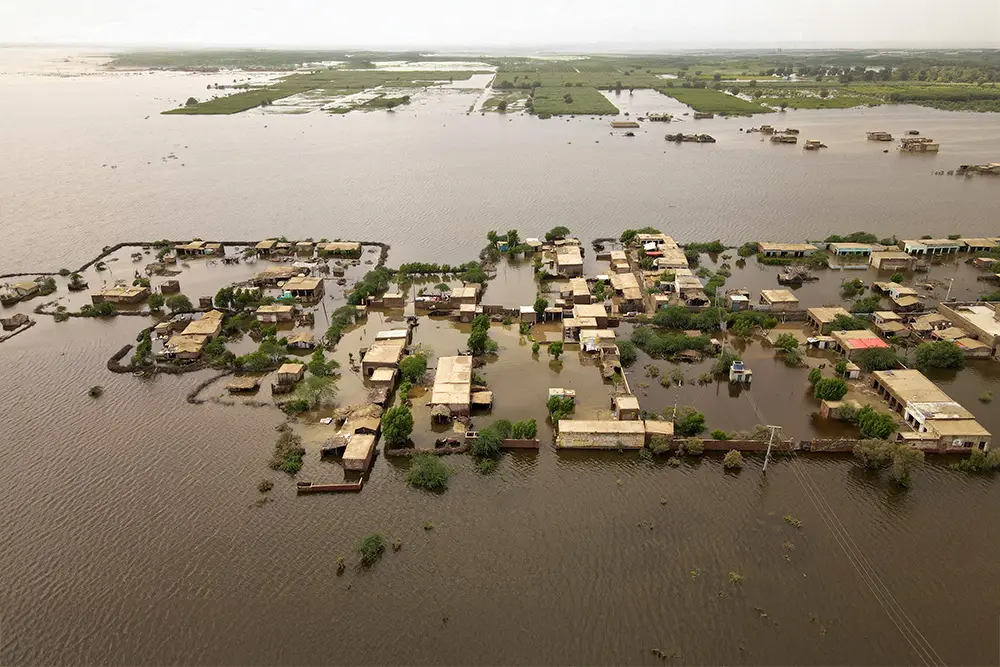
532, 23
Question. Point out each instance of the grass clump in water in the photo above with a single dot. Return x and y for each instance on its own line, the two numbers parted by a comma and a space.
288, 452
428, 472
96, 391
733, 460
792, 521
486, 466
265, 485
986, 397
371, 549
736, 578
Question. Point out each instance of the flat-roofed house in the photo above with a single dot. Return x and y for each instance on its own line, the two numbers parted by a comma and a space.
601, 434
304, 288
341, 249
289, 374
625, 406
184, 347
122, 294
273, 275
822, 318
404, 334
467, 293
928, 410
850, 250
591, 311
382, 354
893, 261
305, 248
208, 325
849, 343
266, 247
275, 312
779, 299
978, 245
786, 249
302, 341
930, 246
580, 291
198, 248
981, 320
453, 385
359, 451
569, 261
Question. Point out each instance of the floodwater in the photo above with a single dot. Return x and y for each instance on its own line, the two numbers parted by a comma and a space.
132, 532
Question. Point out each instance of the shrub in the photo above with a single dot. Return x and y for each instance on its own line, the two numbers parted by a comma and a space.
413, 368
986, 397
397, 425
733, 460
868, 304
691, 447
875, 424
488, 443
659, 444
877, 359
627, 352
96, 391
265, 485
155, 301
525, 429
939, 354
288, 453
556, 350
371, 549
852, 288
840, 368
558, 232
900, 457
559, 407
485, 466
105, 309
535, 347
428, 472
979, 461
689, 422
786, 342
295, 406
719, 434
524, 329
815, 375
830, 389
897, 278
540, 306
848, 323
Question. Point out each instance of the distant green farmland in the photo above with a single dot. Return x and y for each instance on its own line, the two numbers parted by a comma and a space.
581, 101
713, 101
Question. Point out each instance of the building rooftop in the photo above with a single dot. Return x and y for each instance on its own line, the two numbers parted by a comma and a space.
393, 334
623, 281
276, 308
979, 243
913, 387
786, 247
207, 325
971, 344
592, 310
905, 301
891, 254
861, 339
267, 244
302, 283
627, 402
291, 369
383, 375
886, 315
601, 434
341, 246
778, 296
359, 446
452, 381
826, 315
849, 246
304, 337
119, 292
947, 243
982, 317
182, 343
947, 427
384, 352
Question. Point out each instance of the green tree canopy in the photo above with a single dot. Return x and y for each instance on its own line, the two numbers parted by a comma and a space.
939, 354
830, 389
397, 425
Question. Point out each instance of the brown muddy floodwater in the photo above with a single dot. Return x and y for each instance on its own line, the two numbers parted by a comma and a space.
131, 529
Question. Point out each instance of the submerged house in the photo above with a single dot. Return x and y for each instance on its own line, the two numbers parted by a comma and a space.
786, 249
453, 385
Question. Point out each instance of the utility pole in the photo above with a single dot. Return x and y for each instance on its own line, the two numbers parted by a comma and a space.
770, 442
950, 285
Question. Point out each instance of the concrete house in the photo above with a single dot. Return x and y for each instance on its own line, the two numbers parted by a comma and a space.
382, 354
893, 261
779, 299
124, 294
198, 249
304, 288
849, 343
208, 325
930, 246
453, 385
786, 249
569, 261
851, 250
601, 434
980, 320
625, 406
289, 374
341, 249
822, 319
275, 312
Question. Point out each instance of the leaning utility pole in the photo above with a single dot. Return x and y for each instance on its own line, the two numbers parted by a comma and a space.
770, 442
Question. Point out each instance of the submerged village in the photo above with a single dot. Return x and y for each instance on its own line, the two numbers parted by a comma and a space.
595, 347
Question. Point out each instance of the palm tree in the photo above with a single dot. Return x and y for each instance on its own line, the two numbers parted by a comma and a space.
442, 288
492, 237
513, 238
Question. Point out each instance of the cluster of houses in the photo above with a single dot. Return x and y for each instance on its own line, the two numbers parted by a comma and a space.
902, 257
186, 337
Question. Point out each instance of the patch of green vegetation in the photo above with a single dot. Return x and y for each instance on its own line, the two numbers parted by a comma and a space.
371, 548
816, 102
428, 472
572, 101
707, 100
288, 452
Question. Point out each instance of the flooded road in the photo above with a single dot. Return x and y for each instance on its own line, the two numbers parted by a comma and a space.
132, 531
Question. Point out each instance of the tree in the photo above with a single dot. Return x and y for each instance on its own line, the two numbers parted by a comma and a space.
502, 105
786, 342
868, 304
428, 472
155, 301
477, 341
397, 425
875, 424
733, 460
558, 232
513, 238
319, 366
179, 303
191, 101
848, 323
939, 354
830, 389
877, 359
413, 368
689, 422
897, 277
488, 443
815, 375
442, 288
556, 349
559, 407
540, 306
627, 352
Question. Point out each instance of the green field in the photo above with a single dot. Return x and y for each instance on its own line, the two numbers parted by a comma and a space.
714, 101
329, 82
807, 102
582, 101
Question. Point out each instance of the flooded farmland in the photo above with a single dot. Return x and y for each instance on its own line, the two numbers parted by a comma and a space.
132, 528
